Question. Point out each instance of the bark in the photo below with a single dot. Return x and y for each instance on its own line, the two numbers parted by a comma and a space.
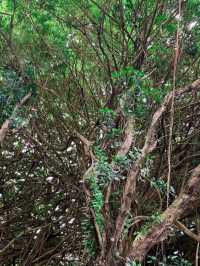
149, 146
124, 149
187, 201
130, 186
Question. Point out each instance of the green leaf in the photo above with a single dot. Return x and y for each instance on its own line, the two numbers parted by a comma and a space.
95, 11
171, 28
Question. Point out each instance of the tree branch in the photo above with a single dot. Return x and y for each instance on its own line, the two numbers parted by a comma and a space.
149, 146
5, 127
186, 201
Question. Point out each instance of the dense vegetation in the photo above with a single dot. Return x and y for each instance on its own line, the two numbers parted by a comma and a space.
99, 132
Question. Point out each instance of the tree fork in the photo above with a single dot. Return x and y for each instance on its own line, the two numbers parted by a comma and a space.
130, 186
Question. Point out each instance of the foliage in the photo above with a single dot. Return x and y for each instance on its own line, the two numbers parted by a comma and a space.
13, 89
171, 260
91, 66
133, 263
152, 220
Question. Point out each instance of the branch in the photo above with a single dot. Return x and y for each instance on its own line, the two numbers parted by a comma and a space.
186, 201
28, 230
128, 138
96, 228
5, 127
187, 231
124, 149
149, 146
87, 145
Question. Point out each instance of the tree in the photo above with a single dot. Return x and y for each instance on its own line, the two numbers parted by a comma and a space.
99, 132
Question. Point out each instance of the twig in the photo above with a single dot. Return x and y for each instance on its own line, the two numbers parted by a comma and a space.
19, 235
187, 231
